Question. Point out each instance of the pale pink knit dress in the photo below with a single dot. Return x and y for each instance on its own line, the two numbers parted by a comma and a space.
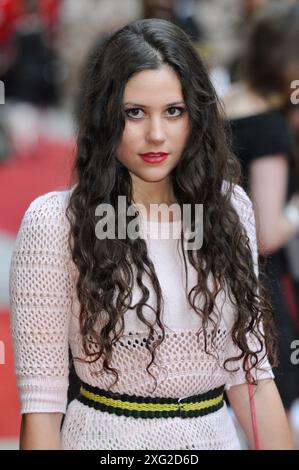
44, 321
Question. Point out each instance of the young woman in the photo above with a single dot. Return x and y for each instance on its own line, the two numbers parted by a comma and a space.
158, 327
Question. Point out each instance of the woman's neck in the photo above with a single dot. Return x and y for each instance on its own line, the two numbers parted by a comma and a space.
147, 193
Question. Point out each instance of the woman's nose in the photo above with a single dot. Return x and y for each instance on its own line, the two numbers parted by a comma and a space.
155, 130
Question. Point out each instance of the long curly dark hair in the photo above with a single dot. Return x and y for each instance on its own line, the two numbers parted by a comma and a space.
109, 268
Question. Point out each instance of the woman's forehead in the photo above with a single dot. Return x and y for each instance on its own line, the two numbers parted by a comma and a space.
153, 86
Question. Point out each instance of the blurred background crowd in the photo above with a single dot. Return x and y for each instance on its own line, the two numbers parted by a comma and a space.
251, 50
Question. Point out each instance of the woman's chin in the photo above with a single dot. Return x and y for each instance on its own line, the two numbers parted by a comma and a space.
153, 176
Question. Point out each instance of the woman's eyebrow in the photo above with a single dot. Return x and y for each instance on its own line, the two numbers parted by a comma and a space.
145, 106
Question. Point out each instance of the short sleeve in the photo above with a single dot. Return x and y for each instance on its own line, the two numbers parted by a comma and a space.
260, 136
40, 289
244, 208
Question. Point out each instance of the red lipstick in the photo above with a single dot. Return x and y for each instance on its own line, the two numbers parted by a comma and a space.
154, 157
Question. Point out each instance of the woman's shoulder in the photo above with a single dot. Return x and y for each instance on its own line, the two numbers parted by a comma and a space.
240, 196
51, 204
45, 224
238, 193
244, 207
261, 135
240, 200
44, 231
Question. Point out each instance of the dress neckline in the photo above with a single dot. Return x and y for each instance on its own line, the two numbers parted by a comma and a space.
165, 230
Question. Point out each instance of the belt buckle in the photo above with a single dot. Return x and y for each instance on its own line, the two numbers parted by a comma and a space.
181, 405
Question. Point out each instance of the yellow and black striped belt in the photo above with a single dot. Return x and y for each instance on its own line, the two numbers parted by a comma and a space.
151, 407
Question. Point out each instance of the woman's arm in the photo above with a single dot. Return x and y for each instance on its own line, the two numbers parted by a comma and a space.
272, 424
40, 431
268, 187
41, 288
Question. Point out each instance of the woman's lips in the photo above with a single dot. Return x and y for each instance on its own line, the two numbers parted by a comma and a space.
154, 158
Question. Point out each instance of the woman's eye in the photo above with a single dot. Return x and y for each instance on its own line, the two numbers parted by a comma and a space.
134, 113
175, 111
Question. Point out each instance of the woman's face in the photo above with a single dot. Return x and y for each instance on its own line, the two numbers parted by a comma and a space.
156, 121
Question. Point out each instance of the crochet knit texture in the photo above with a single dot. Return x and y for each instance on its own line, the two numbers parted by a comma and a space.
44, 322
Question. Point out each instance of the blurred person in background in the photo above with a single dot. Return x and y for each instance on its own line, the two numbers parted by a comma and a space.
30, 71
186, 18
32, 74
10, 10
249, 9
263, 141
163, 9
180, 12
